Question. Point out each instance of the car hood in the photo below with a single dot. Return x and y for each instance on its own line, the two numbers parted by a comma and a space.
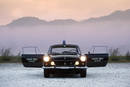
59, 56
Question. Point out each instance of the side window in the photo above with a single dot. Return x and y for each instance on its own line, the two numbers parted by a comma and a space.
99, 49
49, 51
78, 49
31, 50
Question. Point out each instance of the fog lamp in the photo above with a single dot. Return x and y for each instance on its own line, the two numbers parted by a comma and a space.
52, 63
77, 63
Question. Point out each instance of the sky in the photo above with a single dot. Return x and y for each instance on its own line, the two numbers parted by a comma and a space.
59, 9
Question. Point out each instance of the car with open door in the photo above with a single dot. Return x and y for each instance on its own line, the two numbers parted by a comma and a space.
65, 59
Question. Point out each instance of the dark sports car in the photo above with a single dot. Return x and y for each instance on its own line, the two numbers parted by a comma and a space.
65, 58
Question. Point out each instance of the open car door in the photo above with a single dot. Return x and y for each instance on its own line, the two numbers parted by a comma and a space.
97, 59
31, 59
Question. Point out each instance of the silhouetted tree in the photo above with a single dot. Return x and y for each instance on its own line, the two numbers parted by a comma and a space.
127, 54
5, 54
114, 52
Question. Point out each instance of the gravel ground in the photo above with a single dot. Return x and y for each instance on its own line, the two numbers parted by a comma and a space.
113, 75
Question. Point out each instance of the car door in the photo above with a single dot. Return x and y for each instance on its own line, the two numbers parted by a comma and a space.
31, 59
97, 59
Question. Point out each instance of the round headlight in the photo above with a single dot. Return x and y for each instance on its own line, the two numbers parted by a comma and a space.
46, 58
83, 58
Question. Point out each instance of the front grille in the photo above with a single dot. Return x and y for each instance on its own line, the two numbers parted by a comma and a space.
64, 61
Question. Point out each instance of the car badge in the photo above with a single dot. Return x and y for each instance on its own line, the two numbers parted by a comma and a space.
64, 63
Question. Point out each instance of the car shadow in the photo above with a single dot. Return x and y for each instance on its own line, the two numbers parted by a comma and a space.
64, 76
41, 76
59, 76
53, 76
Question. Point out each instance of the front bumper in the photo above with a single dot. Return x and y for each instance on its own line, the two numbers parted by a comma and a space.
54, 67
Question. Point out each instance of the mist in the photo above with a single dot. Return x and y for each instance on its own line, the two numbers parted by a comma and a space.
111, 34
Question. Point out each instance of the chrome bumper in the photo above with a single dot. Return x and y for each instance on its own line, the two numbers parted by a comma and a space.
54, 67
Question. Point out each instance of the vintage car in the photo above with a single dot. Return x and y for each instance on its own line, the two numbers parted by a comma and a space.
63, 59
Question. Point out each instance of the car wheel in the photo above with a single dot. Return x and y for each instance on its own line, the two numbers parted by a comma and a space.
46, 73
83, 73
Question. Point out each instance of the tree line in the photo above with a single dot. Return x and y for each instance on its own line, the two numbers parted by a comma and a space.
116, 56
6, 55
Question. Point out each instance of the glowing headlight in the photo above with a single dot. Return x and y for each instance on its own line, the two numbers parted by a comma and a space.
46, 58
77, 63
83, 58
52, 63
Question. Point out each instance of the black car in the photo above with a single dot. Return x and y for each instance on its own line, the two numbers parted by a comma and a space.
65, 58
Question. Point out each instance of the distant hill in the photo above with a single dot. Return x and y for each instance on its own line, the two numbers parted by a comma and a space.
26, 21
64, 22
115, 16
34, 21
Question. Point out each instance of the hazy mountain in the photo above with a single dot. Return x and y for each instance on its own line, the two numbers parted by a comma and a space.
63, 22
34, 21
115, 16
27, 21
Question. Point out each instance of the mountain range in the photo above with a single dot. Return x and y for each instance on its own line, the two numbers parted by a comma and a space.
34, 21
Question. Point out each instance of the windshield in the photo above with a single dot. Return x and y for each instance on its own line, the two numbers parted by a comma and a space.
64, 50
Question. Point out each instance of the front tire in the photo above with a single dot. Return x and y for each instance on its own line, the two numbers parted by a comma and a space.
83, 73
46, 73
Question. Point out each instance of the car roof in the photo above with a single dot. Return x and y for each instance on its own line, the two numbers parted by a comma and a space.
62, 45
